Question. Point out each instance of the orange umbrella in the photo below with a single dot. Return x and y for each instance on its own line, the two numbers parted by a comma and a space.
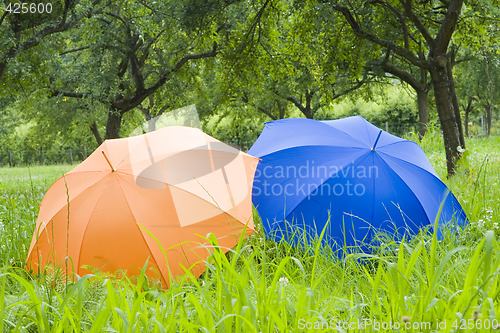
153, 197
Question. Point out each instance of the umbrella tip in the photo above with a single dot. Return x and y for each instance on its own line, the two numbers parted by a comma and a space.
107, 160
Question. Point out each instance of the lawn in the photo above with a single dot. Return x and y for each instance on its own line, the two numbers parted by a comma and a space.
420, 285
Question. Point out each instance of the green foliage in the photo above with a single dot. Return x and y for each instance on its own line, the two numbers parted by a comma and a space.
473, 82
239, 126
391, 104
45, 138
285, 57
25, 46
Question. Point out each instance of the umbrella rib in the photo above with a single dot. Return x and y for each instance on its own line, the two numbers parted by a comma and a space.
400, 141
86, 227
185, 191
435, 176
139, 229
177, 187
374, 195
352, 162
65, 202
411, 191
322, 145
69, 174
353, 137
328, 178
412, 164
340, 130
366, 123
180, 244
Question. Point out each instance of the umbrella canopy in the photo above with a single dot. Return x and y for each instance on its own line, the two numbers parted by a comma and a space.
348, 172
152, 197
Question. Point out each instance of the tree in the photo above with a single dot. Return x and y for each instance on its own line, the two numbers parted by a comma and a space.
480, 86
283, 59
416, 78
126, 54
21, 33
419, 25
478, 81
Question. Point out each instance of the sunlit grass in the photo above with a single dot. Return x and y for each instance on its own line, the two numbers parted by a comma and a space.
261, 286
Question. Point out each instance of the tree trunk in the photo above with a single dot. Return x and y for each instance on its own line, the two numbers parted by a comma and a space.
489, 109
423, 112
281, 109
308, 114
95, 131
468, 110
490, 120
3, 69
152, 124
466, 120
445, 108
466, 123
456, 106
113, 124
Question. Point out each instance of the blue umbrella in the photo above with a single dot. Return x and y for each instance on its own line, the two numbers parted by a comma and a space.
348, 178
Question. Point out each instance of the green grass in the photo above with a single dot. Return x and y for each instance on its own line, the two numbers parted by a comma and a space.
261, 286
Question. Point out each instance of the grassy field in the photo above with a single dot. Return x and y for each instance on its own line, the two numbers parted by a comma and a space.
422, 285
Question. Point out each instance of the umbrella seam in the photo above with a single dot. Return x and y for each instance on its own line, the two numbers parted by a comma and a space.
435, 176
86, 227
374, 195
320, 122
410, 189
65, 203
401, 141
366, 127
139, 229
220, 209
351, 163
180, 244
177, 187
206, 136
367, 123
322, 145
338, 129
415, 165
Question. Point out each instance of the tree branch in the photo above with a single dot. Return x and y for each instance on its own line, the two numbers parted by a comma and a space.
74, 50
145, 54
136, 73
304, 109
401, 74
50, 29
354, 87
3, 17
63, 25
448, 27
401, 51
245, 100
139, 95
401, 20
418, 23
95, 130
188, 57
121, 19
